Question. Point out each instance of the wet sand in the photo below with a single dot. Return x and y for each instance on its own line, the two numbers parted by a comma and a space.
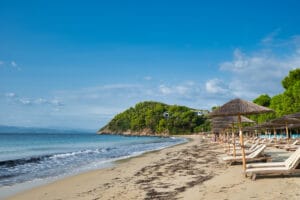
189, 171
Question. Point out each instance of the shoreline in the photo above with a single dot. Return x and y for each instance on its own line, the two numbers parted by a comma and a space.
193, 170
124, 160
121, 164
25, 187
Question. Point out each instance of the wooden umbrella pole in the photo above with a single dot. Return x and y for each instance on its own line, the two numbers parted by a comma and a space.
275, 135
233, 136
266, 134
228, 141
242, 142
224, 138
287, 133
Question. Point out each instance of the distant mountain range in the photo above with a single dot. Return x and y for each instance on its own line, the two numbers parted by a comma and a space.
16, 129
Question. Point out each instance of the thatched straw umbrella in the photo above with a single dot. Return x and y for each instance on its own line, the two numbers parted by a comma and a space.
252, 129
295, 115
285, 120
238, 107
271, 126
221, 129
295, 126
231, 120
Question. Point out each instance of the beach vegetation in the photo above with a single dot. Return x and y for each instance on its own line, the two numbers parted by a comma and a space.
159, 118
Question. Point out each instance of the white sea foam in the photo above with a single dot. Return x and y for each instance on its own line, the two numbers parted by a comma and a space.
75, 155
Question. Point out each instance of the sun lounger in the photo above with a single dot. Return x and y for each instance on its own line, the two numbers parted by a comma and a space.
275, 164
292, 147
255, 156
247, 151
270, 143
289, 166
250, 147
283, 146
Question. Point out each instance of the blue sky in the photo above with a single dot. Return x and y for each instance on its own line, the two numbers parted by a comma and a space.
78, 63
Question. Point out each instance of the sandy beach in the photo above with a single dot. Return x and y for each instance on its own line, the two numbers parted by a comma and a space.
193, 170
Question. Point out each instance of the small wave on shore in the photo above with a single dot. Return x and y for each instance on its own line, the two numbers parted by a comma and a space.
66, 155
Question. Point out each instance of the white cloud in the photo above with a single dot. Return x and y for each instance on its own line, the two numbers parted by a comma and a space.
116, 87
239, 62
260, 71
10, 95
40, 101
215, 86
25, 101
182, 90
185, 89
111, 92
13, 98
9, 64
148, 78
165, 90
13, 64
269, 39
56, 102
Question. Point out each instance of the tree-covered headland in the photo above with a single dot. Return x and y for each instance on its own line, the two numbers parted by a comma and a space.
154, 118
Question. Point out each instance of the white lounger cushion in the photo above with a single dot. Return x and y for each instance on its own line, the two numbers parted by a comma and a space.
254, 154
267, 170
285, 163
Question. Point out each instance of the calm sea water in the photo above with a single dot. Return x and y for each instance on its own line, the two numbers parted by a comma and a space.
280, 136
29, 157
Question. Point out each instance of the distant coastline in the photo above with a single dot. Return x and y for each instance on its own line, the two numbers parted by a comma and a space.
31, 130
145, 132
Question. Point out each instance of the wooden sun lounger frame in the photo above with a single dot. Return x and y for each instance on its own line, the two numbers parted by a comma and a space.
286, 146
253, 148
253, 157
290, 166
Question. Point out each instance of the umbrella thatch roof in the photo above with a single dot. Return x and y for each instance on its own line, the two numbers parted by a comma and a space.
221, 125
291, 126
269, 125
217, 130
285, 120
295, 115
231, 119
251, 128
239, 107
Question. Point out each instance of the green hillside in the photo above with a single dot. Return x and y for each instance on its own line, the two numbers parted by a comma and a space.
157, 119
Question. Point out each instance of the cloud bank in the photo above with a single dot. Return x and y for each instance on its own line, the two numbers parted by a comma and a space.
258, 72
246, 75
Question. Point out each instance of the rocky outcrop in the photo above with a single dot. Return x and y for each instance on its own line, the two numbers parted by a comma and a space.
144, 132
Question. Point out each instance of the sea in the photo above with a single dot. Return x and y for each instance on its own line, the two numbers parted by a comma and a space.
28, 160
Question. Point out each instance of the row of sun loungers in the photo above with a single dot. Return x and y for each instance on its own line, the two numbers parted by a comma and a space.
248, 151
290, 166
289, 147
255, 153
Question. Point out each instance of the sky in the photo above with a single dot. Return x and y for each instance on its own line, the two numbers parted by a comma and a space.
76, 64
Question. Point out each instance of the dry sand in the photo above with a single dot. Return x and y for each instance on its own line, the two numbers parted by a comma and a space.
190, 171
